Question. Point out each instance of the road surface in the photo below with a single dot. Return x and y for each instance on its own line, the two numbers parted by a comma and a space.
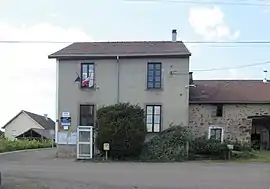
42, 168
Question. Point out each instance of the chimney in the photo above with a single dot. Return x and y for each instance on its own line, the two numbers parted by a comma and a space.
46, 116
191, 78
265, 76
174, 35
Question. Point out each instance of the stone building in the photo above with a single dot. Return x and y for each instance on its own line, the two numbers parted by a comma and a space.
231, 110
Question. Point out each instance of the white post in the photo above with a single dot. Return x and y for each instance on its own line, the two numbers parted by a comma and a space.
56, 104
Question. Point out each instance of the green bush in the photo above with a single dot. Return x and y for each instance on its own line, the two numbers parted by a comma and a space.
240, 146
243, 154
202, 147
12, 145
122, 126
169, 145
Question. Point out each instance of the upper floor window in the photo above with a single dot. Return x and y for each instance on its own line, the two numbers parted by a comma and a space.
154, 75
219, 112
87, 75
153, 118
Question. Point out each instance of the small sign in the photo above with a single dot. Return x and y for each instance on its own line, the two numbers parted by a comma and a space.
230, 146
65, 121
65, 114
65, 127
106, 146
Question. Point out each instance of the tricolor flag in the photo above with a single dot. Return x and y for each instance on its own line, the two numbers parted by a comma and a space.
85, 82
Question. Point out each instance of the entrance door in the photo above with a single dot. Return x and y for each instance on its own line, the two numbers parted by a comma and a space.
84, 142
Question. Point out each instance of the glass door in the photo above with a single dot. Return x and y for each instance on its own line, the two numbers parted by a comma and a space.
84, 142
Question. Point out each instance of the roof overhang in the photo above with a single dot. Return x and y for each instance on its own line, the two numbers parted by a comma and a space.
259, 117
104, 56
229, 102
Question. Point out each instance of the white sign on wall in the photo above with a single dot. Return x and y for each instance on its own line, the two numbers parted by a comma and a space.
65, 114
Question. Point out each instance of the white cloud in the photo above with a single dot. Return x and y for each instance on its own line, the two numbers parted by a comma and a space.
210, 24
27, 76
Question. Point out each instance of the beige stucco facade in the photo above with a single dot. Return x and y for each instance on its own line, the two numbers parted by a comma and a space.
19, 125
123, 80
234, 121
132, 87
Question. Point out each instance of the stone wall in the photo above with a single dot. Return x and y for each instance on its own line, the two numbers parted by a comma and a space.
234, 121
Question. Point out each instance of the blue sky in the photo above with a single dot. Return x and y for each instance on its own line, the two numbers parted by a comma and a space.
28, 77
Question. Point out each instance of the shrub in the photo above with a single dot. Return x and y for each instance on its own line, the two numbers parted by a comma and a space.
240, 146
202, 147
122, 126
12, 145
169, 145
243, 154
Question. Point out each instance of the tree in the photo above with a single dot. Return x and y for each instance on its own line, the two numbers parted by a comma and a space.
122, 126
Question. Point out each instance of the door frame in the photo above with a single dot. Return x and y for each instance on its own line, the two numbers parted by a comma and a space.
90, 142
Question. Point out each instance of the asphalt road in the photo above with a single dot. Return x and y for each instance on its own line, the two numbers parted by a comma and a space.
40, 167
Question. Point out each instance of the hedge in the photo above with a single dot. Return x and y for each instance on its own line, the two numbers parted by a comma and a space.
12, 145
169, 145
177, 144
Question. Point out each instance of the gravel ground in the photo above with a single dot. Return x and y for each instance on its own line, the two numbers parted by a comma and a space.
40, 170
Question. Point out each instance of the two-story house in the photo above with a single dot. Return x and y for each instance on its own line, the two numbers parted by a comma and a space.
153, 74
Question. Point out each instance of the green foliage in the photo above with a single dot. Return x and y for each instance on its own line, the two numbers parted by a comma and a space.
208, 149
169, 145
240, 146
122, 126
12, 145
243, 155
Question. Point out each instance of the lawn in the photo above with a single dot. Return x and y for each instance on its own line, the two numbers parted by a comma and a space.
260, 157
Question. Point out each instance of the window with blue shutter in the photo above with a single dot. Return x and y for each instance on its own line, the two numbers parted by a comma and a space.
154, 75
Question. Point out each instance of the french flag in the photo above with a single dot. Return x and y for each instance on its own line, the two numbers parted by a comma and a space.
85, 82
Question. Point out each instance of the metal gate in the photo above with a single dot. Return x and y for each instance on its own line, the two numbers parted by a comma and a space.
84, 142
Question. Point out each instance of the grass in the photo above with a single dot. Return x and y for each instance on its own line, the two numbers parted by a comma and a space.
260, 157
13, 145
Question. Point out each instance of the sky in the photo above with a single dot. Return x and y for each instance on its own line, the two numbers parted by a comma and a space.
27, 76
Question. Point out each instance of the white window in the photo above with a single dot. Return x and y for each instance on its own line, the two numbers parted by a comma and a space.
153, 118
216, 132
87, 75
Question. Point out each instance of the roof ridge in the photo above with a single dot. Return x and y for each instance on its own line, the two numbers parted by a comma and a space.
137, 41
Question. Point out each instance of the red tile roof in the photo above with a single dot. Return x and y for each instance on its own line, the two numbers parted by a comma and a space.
230, 91
127, 48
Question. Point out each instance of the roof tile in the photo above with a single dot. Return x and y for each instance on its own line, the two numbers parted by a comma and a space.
127, 48
230, 91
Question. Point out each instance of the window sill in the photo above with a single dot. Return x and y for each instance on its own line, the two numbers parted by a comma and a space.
87, 88
154, 89
153, 132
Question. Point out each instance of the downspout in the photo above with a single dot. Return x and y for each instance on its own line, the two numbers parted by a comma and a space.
118, 79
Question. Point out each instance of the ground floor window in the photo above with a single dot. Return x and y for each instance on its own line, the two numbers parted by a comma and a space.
86, 115
153, 118
215, 132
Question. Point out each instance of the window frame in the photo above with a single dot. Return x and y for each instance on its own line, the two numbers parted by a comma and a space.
216, 127
88, 73
93, 112
219, 110
154, 82
153, 118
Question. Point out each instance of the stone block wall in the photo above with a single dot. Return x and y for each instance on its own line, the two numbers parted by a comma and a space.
234, 121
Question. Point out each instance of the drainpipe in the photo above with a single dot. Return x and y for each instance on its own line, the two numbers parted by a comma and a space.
118, 78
